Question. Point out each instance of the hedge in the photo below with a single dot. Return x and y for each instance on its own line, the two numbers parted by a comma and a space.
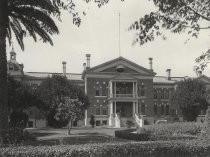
143, 135
125, 149
179, 128
128, 134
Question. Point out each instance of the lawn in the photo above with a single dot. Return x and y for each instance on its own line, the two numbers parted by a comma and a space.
84, 135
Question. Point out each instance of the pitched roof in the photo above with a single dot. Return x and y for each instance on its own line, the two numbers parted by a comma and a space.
165, 80
42, 75
118, 60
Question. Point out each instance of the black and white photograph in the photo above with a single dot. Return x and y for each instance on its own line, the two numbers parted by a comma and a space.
104, 78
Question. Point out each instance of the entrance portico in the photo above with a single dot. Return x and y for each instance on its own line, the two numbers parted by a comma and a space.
121, 109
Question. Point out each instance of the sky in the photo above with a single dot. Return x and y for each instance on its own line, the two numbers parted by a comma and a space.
98, 35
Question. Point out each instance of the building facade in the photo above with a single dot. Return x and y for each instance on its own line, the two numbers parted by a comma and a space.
119, 90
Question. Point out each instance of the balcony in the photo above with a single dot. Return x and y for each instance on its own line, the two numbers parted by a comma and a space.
122, 95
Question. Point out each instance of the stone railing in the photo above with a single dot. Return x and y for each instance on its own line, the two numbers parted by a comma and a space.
139, 121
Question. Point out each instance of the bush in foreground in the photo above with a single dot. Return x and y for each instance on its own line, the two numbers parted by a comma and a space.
128, 149
179, 128
130, 134
15, 136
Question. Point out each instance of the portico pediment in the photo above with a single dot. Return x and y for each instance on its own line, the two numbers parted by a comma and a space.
124, 77
121, 66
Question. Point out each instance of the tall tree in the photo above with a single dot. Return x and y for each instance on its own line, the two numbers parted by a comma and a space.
71, 110
3, 65
26, 17
20, 97
54, 91
190, 16
190, 97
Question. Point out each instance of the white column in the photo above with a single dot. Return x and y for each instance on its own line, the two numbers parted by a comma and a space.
85, 117
136, 90
111, 94
137, 108
133, 89
133, 108
115, 106
111, 108
111, 112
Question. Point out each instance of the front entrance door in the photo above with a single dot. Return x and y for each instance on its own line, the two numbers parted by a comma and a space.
125, 109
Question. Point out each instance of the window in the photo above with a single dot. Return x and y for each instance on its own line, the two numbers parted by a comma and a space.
139, 107
143, 108
104, 122
104, 110
142, 90
98, 122
104, 89
155, 93
155, 108
97, 90
98, 110
162, 109
166, 93
167, 109
162, 94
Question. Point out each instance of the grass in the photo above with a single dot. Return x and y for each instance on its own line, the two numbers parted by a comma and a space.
85, 135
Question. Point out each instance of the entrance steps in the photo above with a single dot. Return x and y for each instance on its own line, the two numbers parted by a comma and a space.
123, 121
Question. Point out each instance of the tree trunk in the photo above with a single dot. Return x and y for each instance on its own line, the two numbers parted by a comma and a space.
3, 65
69, 127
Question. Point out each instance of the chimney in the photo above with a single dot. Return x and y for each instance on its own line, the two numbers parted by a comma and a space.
88, 60
150, 64
84, 66
64, 68
168, 71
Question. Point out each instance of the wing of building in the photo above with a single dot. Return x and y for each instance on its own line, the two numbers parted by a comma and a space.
119, 90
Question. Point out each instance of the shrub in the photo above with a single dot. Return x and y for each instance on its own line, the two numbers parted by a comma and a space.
15, 136
179, 128
92, 121
125, 149
129, 123
131, 135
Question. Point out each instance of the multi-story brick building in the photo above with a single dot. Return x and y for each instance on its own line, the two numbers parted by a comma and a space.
119, 90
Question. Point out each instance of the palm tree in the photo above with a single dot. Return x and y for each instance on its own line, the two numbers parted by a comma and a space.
3, 64
21, 18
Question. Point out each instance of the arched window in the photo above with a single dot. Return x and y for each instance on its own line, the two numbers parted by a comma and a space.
155, 94
104, 89
167, 109
162, 94
155, 108
142, 90
166, 93
97, 88
162, 109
